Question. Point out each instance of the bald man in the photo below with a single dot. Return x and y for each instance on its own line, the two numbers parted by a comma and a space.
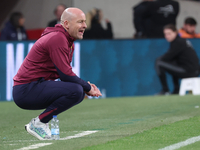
50, 57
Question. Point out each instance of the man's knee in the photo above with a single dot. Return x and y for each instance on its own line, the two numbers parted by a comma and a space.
157, 62
77, 91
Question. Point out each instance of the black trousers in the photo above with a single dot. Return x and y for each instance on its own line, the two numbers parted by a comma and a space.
53, 96
176, 71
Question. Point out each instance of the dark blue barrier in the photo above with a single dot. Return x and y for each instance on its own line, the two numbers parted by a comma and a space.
121, 67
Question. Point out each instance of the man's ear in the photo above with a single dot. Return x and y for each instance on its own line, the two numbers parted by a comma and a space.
66, 24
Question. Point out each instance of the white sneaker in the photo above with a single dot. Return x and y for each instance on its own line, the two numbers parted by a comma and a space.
38, 129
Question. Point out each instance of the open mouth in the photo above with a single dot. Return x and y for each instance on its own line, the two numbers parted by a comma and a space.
81, 31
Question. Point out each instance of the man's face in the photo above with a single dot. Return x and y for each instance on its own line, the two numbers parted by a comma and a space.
21, 22
77, 25
190, 28
59, 11
169, 35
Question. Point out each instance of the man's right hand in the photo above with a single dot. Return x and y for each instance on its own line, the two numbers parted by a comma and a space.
94, 91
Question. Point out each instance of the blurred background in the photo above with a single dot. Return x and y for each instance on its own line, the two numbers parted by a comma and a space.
39, 12
120, 63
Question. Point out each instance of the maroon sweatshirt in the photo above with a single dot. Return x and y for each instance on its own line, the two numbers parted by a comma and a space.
50, 58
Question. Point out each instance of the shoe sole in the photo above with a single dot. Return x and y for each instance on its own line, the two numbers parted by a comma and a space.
27, 128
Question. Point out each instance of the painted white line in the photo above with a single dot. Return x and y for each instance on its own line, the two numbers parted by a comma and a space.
66, 138
20, 141
84, 133
13, 144
34, 146
182, 144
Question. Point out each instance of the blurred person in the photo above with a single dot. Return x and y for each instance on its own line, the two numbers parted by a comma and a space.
138, 21
152, 16
188, 29
49, 58
95, 29
180, 60
14, 28
57, 12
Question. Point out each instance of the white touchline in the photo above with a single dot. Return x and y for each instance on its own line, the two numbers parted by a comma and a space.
84, 133
34, 146
20, 141
182, 144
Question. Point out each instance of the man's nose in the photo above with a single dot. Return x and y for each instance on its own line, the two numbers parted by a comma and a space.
84, 25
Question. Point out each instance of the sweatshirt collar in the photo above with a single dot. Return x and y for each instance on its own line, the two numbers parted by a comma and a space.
60, 28
69, 37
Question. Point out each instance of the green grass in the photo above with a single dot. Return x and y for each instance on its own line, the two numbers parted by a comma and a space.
122, 123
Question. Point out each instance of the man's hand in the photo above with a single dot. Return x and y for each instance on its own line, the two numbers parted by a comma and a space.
94, 91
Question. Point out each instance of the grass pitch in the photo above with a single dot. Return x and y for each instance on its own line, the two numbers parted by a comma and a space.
137, 123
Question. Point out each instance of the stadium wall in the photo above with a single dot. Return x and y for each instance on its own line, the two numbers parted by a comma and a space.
118, 67
39, 12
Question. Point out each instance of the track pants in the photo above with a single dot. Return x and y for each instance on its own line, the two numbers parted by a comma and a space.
53, 96
176, 71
